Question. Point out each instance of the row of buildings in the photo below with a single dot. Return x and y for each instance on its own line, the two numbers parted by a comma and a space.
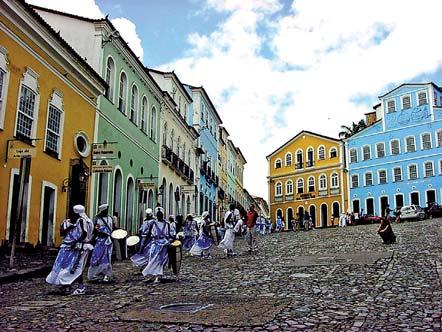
89, 123
396, 160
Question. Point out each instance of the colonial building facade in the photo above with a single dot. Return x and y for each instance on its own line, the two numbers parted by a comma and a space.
398, 159
306, 174
48, 101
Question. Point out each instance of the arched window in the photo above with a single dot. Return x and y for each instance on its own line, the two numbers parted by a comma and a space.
299, 160
129, 204
143, 122
278, 189
310, 157
165, 134
171, 199
289, 187
110, 79
133, 104
122, 94
118, 186
288, 159
178, 146
172, 137
153, 124
184, 152
150, 199
333, 152
278, 163
334, 181
311, 184
321, 153
300, 186
322, 182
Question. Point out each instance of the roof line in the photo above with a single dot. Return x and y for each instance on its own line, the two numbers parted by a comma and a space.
405, 84
208, 98
54, 11
176, 77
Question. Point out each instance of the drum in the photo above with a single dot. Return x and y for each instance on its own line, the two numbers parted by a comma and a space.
132, 240
175, 255
119, 234
214, 233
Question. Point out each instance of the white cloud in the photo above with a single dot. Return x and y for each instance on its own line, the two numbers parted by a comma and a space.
345, 48
88, 8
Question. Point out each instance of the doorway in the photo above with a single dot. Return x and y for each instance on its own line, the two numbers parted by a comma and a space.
431, 197
414, 198
370, 206
356, 207
324, 215
399, 201
384, 204
129, 205
78, 184
13, 222
312, 211
47, 228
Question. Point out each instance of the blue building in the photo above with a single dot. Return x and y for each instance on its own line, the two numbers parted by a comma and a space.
397, 160
206, 120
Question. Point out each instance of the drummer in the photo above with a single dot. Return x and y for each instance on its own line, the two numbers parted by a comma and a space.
204, 243
142, 256
160, 236
190, 231
101, 265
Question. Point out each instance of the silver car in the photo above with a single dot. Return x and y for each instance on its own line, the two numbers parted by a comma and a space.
412, 212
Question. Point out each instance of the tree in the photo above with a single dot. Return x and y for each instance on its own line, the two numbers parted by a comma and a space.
353, 129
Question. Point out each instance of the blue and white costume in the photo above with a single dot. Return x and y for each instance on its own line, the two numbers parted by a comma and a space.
74, 250
141, 258
190, 233
101, 259
204, 243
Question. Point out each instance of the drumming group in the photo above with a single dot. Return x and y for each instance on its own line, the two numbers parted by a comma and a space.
160, 244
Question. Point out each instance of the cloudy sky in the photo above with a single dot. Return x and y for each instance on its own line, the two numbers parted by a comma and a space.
276, 67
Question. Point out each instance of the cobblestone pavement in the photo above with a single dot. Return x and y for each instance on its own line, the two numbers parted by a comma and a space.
322, 280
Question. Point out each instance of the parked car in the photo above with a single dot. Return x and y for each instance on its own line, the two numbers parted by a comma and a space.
369, 219
410, 212
434, 211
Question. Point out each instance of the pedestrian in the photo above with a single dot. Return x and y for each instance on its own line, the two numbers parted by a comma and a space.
387, 211
161, 235
307, 223
179, 223
385, 231
204, 242
397, 214
74, 250
101, 260
342, 220
190, 231
252, 216
229, 237
141, 258
278, 226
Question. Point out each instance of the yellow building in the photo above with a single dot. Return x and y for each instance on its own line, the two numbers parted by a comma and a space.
48, 102
306, 174
222, 204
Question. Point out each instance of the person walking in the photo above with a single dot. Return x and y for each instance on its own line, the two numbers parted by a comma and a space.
229, 236
252, 215
141, 258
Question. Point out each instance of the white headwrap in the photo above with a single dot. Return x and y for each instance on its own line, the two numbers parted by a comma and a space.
103, 207
88, 225
236, 213
205, 214
149, 212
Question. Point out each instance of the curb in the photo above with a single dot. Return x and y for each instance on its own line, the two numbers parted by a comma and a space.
25, 274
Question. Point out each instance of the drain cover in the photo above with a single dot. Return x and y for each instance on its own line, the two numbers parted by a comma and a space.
185, 307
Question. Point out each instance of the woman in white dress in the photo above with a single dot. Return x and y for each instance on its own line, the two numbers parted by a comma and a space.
230, 219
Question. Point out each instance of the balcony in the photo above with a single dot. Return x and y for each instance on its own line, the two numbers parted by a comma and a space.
299, 165
166, 155
310, 163
322, 193
334, 191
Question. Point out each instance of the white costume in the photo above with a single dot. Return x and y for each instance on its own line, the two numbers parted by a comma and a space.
230, 219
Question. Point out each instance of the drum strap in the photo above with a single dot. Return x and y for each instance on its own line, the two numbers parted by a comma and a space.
105, 224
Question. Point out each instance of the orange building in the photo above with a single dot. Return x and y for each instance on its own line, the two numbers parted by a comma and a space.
306, 174
48, 103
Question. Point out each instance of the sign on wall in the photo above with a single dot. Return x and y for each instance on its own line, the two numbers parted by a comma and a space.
103, 151
17, 153
102, 168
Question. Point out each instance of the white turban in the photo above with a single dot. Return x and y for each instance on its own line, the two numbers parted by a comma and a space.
149, 211
205, 214
103, 207
88, 226
236, 212
78, 209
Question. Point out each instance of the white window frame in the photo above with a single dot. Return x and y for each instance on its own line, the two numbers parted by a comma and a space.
394, 177
331, 150
365, 179
377, 150
144, 114
409, 173
322, 179
278, 185
350, 157
134, 104
57, 102
276, 160
291, 159
439, 134
402, 101
399, 147
426, 97
321, 147
4, 64
298, 181
363, 154
111, 83
422, 141
352, 183
406, 144
124, 106
308, 183
430, 162
333, 176
153, 123
388, 106
379, 177
30, 80
287, 191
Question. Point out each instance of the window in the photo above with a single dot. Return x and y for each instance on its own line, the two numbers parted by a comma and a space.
412, 172
54, 125
406, 102
334, 180
311, 184
278, 189
143, 122
3, 83
426, 141
366, 153
391, 106
353, 156
333, 152
321, 153
440, 167
172, 139
310, 153
26, 112
422, 98
153, 124
439, 138
410, 143
122, 93
278, 163
354, 181
134, 104
322, 182
165, 134
397, 174
394, 147
382, 174
289, 187
288, 159
380, 150
300, 186
428, 167
368, 179
2, 88
110, 73
299, 161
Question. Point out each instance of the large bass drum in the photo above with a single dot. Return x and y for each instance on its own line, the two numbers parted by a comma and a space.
214, 233
175, 256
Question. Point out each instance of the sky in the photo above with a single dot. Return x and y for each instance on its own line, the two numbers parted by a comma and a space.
276, 67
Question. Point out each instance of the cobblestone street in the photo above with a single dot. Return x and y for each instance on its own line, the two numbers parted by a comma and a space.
322, 280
